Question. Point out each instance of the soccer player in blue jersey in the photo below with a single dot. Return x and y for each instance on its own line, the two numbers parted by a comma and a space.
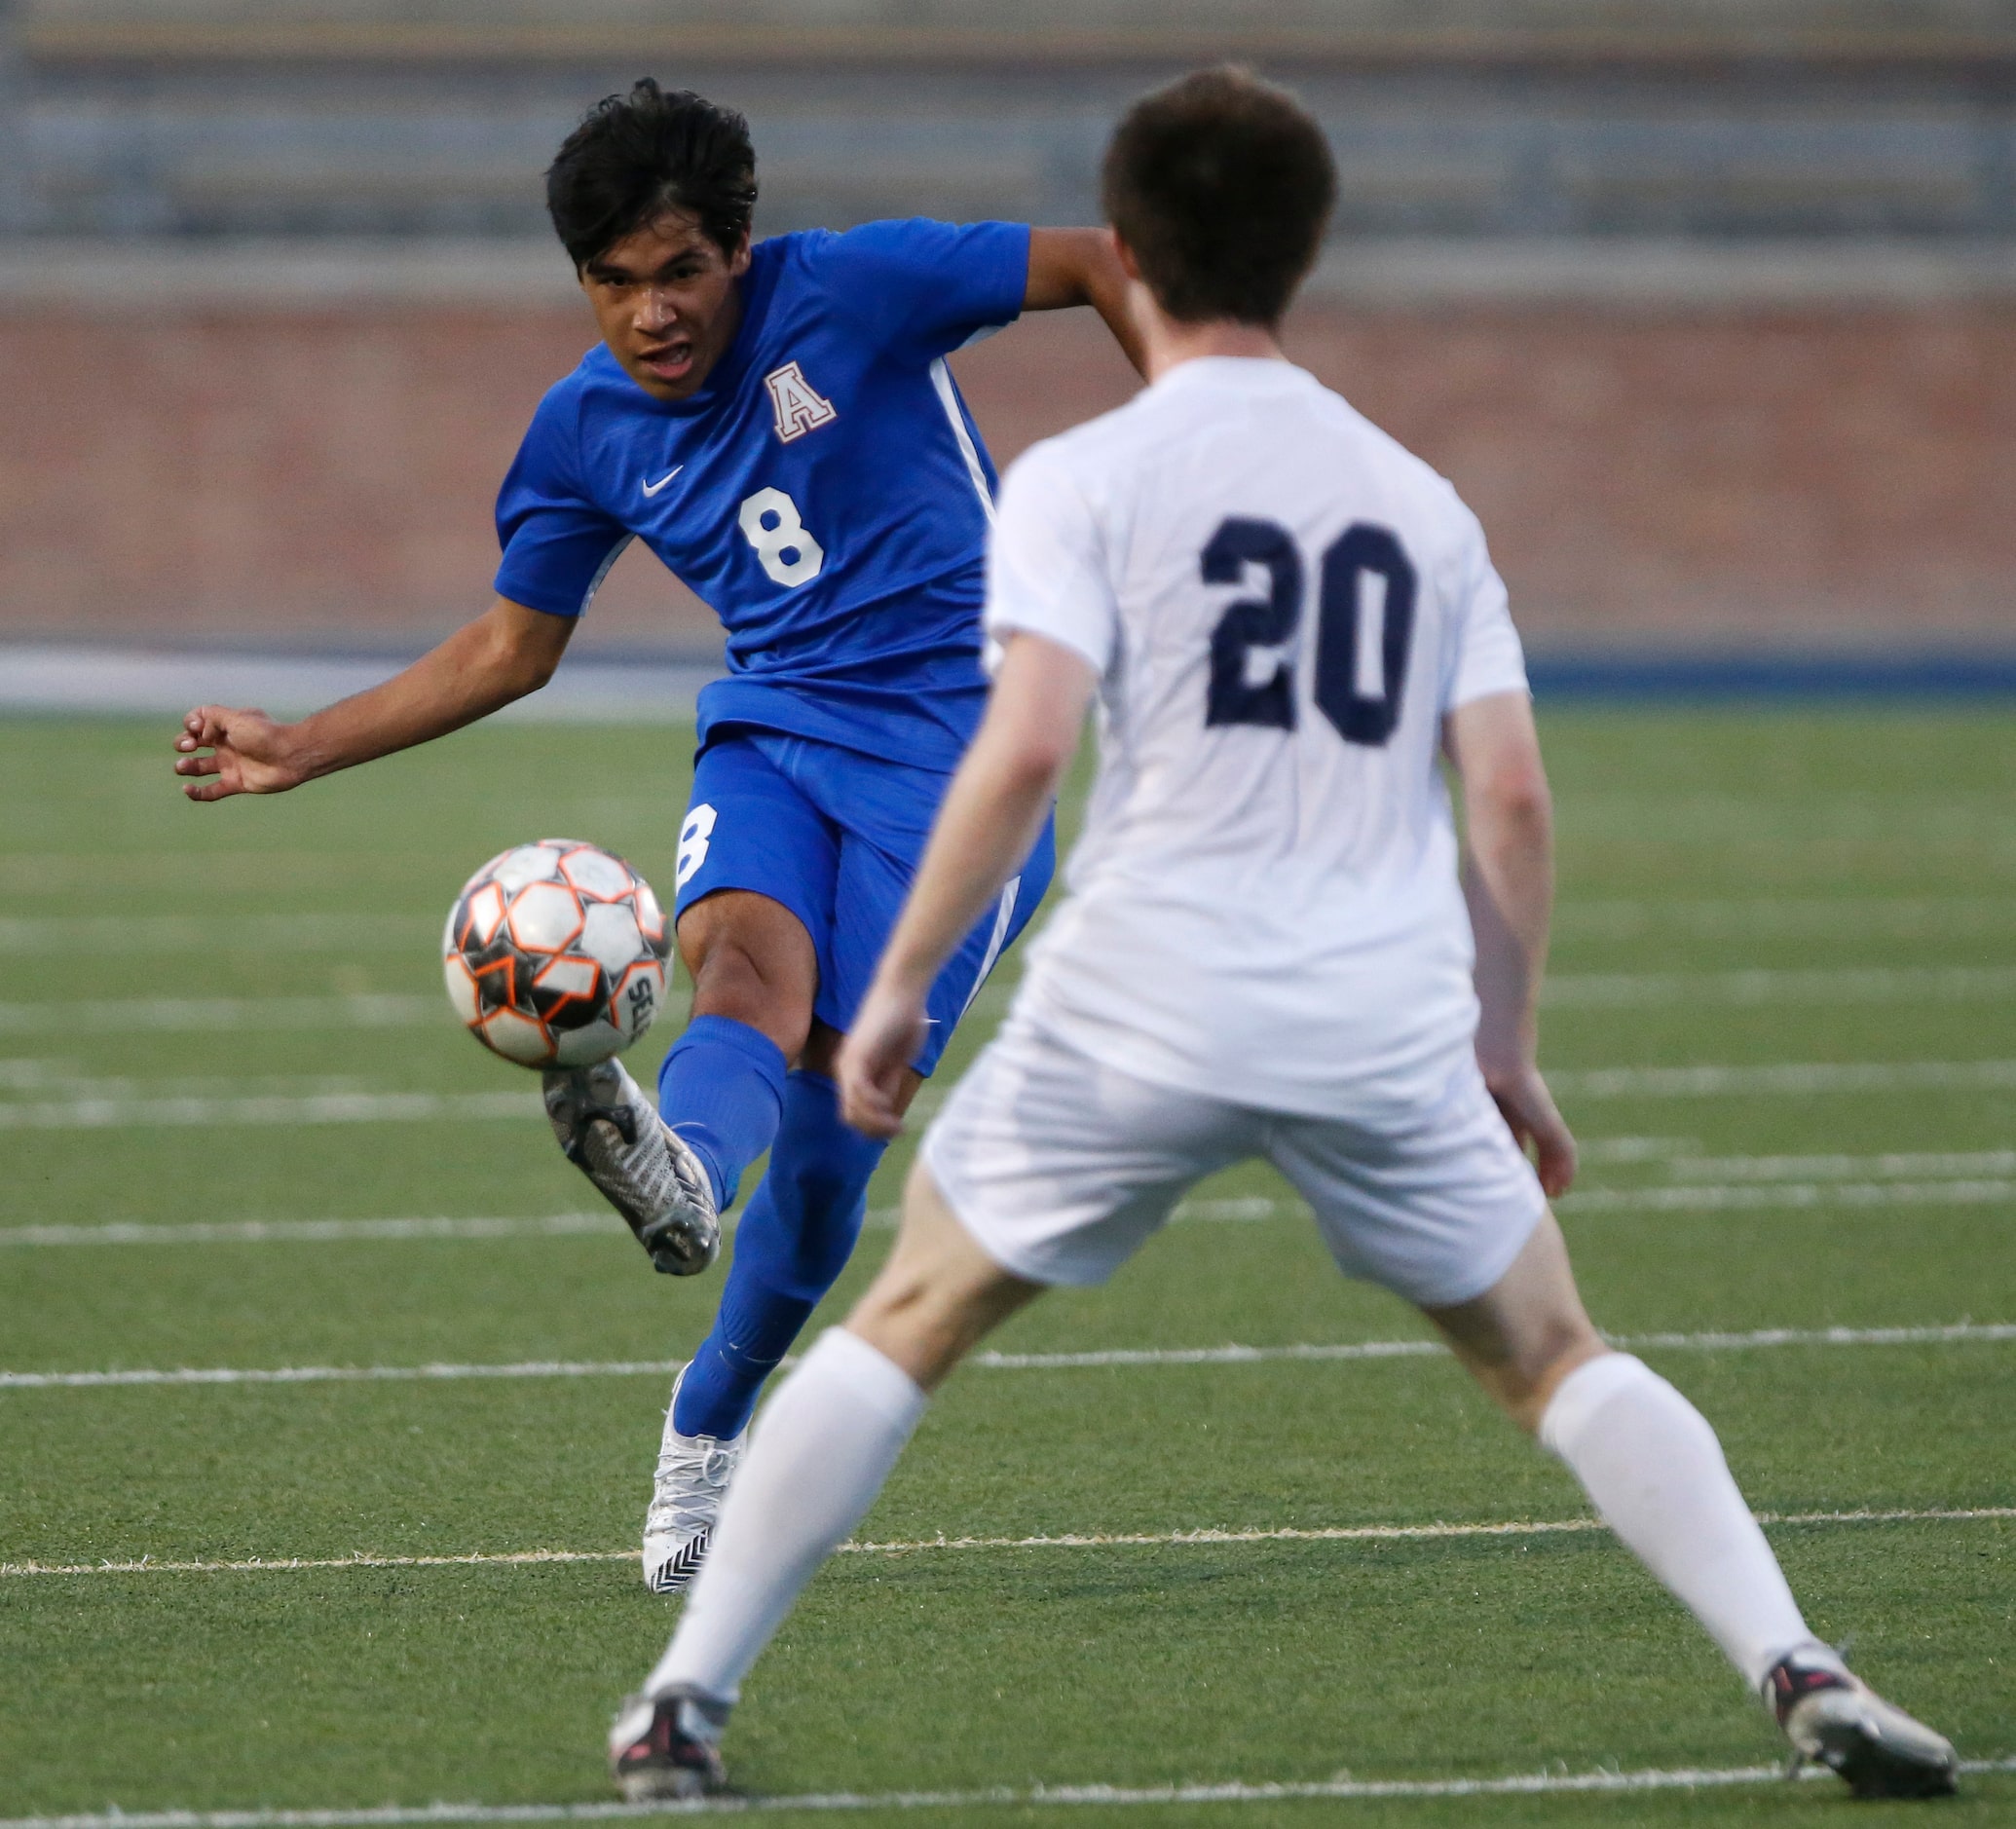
776, 422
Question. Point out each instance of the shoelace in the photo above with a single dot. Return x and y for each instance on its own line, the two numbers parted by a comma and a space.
686, 1487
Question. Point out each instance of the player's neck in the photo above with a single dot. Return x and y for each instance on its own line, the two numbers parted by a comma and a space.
1168, 344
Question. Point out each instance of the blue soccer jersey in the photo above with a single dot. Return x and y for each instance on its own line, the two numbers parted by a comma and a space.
826, 491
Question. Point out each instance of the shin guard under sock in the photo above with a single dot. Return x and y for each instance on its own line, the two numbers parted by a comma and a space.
794, 1241
1651, 1465
722, 1089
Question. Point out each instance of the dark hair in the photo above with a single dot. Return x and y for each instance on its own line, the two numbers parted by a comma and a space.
1222, 185
637, 155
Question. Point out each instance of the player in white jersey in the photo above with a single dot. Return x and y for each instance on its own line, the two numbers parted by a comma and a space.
1268, 949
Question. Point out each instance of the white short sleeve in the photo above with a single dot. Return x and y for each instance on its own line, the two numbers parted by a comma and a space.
1046, 570
1489, 656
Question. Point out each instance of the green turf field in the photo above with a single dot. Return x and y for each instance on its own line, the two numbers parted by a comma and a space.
217, 1020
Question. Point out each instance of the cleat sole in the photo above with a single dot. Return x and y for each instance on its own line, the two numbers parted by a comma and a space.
681, 1787
1875, 1768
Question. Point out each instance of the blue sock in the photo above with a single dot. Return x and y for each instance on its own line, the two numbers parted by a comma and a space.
721, 1088
793, 1243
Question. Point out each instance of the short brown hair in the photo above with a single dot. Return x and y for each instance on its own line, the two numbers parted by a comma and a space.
1222, 185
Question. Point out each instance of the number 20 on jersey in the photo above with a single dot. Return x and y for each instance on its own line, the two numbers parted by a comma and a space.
1364, 628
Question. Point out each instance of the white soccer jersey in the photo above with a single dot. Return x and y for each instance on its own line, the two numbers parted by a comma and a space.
1281, 604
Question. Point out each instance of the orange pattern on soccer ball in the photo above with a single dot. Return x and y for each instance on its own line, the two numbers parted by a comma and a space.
556, 954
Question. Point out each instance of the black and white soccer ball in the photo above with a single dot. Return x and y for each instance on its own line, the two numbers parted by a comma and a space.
555, 953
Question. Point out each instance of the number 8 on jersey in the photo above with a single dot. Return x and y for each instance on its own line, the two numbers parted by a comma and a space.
784, 549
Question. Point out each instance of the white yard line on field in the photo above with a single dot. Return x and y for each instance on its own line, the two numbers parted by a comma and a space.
1891, 918
1597, 991
1900, 1165
217, 934
1755, 1182
1035, 1796
1712, 1197
232, 1015
1087, 1540
1796, 1077
1607, 991
98, 1113
1241, 1208
123, 1104
1956, 1333
239, 1014
312, 1231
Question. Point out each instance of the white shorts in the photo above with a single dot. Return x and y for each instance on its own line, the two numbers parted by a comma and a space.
1061, 1168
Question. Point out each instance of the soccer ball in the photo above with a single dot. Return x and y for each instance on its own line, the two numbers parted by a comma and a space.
554, 955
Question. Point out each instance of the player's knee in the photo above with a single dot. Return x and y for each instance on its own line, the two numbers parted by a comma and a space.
738, 981
905, 1320
1520, 1359
924, 1316
904, 1294
1526, 1384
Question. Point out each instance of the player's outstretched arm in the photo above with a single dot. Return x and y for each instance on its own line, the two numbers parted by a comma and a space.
992, 816
504, 653
1509, 883
1082, 267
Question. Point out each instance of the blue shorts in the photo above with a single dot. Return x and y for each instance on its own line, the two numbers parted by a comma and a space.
836, 836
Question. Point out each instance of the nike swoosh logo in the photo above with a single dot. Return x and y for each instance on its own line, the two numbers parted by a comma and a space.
652, 489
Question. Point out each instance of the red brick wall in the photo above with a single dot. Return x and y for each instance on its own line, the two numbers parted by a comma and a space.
1771, 476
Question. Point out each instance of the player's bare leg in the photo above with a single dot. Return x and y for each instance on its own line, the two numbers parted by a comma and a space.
830, 1436
751, 962
1655, 1472
938, 1295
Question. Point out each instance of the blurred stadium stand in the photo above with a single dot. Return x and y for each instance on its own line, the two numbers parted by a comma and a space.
1526, 117
1710, 307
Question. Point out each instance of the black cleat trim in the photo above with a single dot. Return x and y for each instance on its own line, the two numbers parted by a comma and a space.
678, 1570
1787, 1683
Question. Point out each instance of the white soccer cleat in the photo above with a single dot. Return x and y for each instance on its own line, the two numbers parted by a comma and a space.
687, 1490
1835, 1719
641, 1166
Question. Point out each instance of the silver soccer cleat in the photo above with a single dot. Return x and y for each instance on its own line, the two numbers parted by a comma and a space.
692, 1480
1835, 1719
643, 1168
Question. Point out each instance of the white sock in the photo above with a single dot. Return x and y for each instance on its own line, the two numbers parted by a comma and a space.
1654, 1470
816, 1459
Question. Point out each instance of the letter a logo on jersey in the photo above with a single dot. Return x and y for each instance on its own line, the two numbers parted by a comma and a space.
800, 407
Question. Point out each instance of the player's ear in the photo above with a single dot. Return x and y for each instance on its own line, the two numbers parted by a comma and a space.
1130, 266
739, 261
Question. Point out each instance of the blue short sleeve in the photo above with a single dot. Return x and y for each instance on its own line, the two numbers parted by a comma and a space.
557, 545
927, 286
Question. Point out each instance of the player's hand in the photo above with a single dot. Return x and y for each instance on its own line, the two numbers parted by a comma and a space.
1529, 1108
236, 752
874, 1064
